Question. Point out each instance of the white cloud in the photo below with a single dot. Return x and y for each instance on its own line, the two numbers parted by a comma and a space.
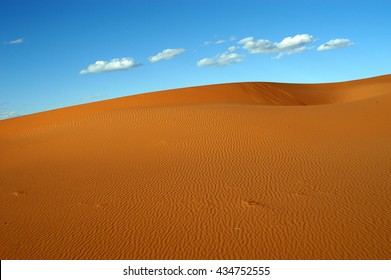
233, 48
225, 58
246, 40
288, 45
166, 54
16, 41
288, 52
6, 115
218, 42
335, 44
115, 64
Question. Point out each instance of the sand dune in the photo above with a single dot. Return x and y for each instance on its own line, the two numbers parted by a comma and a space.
231, 171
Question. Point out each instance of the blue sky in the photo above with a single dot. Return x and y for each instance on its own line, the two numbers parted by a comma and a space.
60, 53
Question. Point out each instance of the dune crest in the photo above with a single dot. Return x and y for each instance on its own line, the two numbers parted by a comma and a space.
231, 171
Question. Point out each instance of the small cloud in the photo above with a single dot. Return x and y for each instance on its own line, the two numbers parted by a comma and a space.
7, 115
218, 42
166, 54
246, 40
296, 50
16, 41
115, 64
335, 44
288, 45
225, 58
233, 48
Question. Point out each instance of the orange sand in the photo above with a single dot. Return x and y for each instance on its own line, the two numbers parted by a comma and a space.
232, 171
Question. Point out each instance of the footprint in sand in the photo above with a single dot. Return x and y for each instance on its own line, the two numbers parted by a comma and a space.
254, 204
18, 193
250, 203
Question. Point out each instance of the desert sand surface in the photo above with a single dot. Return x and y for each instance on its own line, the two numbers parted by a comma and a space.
233, 171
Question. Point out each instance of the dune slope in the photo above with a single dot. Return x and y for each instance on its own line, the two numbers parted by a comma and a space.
231, 171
